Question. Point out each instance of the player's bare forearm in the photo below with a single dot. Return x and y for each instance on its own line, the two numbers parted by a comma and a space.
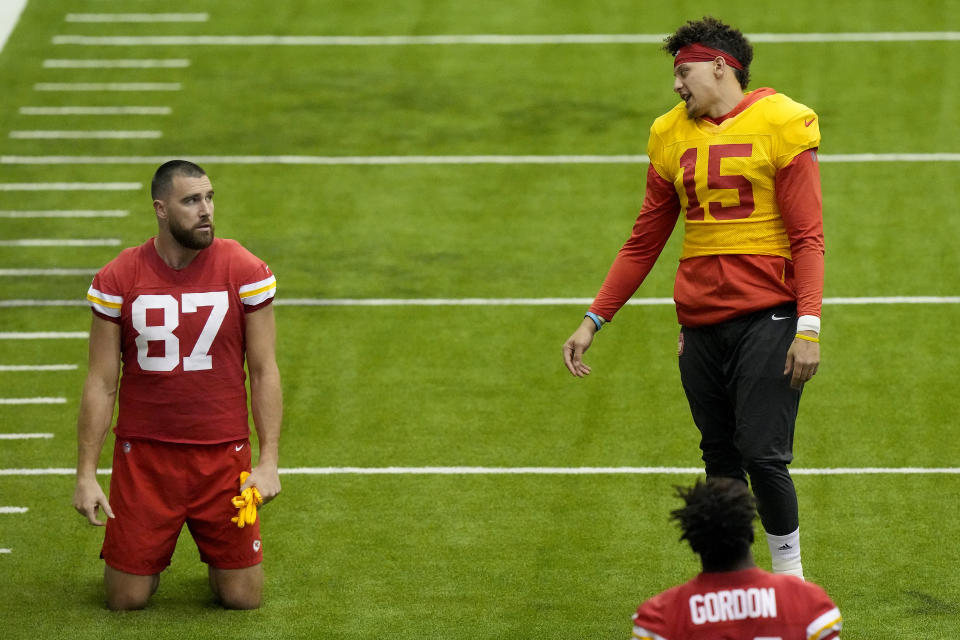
99, 394
96, 414
95, 417
266, 400
93, 424
267, 407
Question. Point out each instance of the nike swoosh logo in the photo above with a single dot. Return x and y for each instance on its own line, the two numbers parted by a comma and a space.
773, 317
238, 447
809, 122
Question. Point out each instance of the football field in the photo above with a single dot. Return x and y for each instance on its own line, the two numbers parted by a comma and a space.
440, 187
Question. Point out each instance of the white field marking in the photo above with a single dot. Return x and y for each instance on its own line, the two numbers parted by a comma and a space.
533, 302
107, 86
129, 63
563, 471
10, 11
38, 367
42, 335
2, 551
39, 400
585, 471
440, 160
47, 472
61, 242
15, 273
71, 186
43, 303
451, 302
137, 17
489, 39
13, 509
95, 111
85, 135
67, 213
26, 436
487, 302
890, 157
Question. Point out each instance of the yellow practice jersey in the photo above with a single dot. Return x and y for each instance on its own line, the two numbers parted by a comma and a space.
725, 173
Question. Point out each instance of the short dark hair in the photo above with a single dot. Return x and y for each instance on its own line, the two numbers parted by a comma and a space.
717, 520
163, 177
712, 33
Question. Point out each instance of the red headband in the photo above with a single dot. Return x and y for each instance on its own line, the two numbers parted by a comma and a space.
699, 53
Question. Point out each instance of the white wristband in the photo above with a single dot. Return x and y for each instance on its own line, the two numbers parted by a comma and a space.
808, 323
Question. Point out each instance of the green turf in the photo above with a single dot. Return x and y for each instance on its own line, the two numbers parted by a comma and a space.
489, 556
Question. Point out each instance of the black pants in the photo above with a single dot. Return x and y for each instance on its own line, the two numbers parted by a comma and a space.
744, 407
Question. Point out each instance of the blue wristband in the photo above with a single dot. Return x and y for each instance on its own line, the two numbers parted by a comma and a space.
597, 320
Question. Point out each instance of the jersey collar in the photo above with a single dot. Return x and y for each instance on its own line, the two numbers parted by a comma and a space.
748, 100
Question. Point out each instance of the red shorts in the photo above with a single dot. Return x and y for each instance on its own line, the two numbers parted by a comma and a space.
156, 487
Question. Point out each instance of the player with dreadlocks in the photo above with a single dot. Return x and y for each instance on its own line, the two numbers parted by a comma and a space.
732, 598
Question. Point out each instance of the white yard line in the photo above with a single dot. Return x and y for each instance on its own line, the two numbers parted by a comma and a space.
137, 17
439, 160
39, 367
107, 86
85, 135
95, 111
61, 242
488, 39
10, 11
580, 471
589, 471
11, 303
66, 213
16, 273
122, 63
13, 509
39, 400
532, 302
42, 335
71, 186
26, 436
490, 302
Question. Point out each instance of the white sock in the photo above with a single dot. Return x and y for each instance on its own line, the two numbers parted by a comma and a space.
785, 553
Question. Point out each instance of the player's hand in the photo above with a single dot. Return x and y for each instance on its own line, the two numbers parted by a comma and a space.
88, 497
803, 360
576, 345
266, 478
246, 503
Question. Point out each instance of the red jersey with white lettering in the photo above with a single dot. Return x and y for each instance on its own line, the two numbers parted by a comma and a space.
182, 339
739, 605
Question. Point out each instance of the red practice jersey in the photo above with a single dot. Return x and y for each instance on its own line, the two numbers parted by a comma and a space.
182, 335
748, 188
751, 604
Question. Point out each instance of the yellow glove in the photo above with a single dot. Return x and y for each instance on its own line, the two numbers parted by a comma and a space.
246, 503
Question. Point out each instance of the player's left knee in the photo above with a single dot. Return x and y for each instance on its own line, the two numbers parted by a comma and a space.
238, 589
766, 469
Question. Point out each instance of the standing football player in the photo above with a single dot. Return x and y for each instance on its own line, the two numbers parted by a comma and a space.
181, 313
742, 170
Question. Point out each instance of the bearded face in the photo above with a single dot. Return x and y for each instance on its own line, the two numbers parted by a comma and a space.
198, 236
